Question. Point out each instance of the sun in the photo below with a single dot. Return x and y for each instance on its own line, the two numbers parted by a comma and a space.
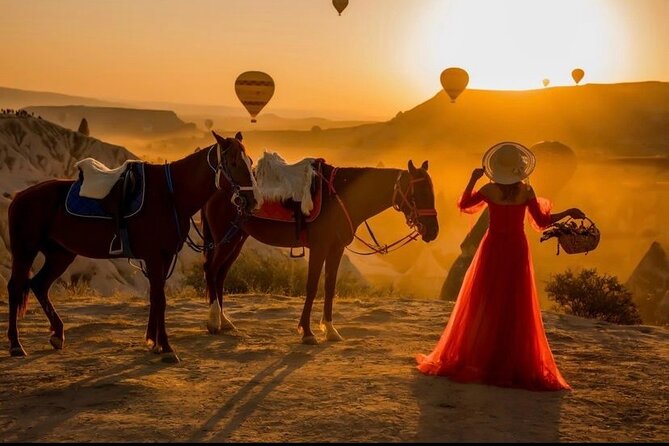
515, 44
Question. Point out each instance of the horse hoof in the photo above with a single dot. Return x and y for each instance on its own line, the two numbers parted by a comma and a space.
17, 351
170, 358
334, 336
331, 333
212, 329
56, 342
310, 340
228, 326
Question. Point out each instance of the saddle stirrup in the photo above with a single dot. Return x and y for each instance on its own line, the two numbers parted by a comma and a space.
297, 256
118, 251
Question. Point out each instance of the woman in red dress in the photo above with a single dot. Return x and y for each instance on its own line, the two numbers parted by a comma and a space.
495, 334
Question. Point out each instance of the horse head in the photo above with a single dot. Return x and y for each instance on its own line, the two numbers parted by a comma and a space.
416, 201
235, 166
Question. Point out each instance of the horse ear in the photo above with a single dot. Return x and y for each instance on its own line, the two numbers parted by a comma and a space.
424, 165
412, 168
219, 139
239, 136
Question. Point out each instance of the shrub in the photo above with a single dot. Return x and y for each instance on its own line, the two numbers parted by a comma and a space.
79, 284
594, 296
256, 274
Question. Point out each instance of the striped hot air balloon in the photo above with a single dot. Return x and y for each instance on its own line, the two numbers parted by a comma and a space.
254, 90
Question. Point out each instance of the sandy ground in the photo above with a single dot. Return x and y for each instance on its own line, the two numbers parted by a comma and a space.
261, 384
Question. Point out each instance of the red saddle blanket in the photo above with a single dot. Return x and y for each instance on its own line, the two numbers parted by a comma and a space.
275, 210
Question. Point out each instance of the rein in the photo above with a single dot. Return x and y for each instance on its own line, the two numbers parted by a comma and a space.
237, 200
411, 218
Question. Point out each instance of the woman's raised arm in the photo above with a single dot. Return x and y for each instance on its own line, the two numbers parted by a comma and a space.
471, 202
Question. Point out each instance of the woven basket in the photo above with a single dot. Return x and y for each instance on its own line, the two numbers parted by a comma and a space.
576, 243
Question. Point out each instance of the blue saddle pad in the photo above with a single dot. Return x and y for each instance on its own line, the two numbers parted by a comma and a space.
90, 207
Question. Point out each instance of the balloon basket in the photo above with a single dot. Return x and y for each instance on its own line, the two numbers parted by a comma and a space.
253, 121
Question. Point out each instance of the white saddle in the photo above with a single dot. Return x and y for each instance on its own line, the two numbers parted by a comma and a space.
280, 181
98, 178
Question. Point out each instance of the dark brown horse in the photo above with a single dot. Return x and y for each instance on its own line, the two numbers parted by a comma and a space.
39, 222
352, 196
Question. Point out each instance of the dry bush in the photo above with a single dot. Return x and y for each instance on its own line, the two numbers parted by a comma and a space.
593, 296
255, 274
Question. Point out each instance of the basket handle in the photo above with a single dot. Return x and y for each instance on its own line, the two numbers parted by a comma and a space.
592, 223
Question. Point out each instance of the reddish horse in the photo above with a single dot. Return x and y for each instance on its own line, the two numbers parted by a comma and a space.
355, 195
39, 222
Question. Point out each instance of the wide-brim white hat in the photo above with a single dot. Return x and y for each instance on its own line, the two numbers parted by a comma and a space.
508, 162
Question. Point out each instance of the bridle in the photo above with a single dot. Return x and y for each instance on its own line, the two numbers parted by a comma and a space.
222, 168
238, 200
407, 205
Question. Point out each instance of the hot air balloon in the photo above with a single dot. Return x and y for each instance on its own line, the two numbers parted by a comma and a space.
556, 164
254, 89
546, 82
340, 5
577, 74
208, 123
454, 80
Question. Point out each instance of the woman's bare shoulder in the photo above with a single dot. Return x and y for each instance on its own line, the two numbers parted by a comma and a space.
488, 190
529, 193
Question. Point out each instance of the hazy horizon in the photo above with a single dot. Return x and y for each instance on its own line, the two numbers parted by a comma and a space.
348, 66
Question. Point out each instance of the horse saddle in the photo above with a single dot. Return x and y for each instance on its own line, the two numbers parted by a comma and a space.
123, 199
299, 205
98, 179
292, 210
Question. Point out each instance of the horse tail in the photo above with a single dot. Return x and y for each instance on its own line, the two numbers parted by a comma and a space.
23, 255
20, 299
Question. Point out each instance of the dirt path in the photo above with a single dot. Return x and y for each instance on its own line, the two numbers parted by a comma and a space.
263, 385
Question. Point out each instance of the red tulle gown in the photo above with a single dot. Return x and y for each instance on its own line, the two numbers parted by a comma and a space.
495, 334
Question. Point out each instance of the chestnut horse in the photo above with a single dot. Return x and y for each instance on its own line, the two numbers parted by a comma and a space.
355, 195
39, 222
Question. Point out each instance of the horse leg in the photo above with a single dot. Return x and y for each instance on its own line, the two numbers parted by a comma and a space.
210, 267
226, 324
216, 268
316, 259
331, 267
157, 270
151, 326
56, 262
18, 288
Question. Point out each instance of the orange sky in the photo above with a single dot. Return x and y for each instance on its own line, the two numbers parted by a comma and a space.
379, 57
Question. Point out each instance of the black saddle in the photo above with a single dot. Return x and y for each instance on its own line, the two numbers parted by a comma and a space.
115, 204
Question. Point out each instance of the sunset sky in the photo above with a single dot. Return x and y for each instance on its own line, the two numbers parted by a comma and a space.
379, 57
